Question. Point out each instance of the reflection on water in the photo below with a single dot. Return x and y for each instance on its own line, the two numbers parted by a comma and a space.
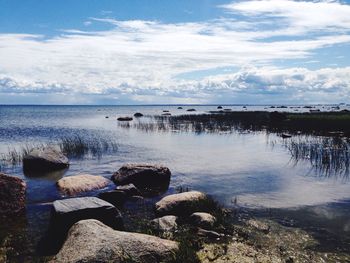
230, 166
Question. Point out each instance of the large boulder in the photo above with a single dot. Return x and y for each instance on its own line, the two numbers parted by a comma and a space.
12, 195
91, 241
81, 183
44, 159
181, 204
152, 178
69, 211
165, 223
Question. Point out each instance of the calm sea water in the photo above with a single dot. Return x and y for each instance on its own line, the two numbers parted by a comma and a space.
238, 169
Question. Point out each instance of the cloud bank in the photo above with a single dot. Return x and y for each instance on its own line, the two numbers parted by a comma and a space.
142, 61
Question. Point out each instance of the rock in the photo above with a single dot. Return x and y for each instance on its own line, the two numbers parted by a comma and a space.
92, 241
209, 234
285, 136
219, 107
191, 110
181, 204
138, 115
179, 108
145, 177
44, 159
201, 219
165, 223
81, 183
69, 211
129, 189
166, 114
259, 225
165, 111
125, 119
12, 195
115, 197
106, 117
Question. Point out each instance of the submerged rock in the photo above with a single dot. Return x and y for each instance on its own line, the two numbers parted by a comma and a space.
201, 219
12, 195
92, 241
81, 183
181, 204
191, 110
165, 223
69, 211
144, 176
44, 159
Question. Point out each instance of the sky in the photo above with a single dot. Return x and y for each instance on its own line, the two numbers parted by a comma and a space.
129, 52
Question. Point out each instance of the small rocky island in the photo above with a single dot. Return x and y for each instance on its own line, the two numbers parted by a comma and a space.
187, 226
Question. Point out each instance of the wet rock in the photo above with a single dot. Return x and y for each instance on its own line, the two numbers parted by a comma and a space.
286, 136
201, 219
69, 211
92, 241
179, 108
44, 159
181, 204
129, 189
81, 183
115, 197
191, 110
138, 115
125, 119
165, 223
219, 107
12, 195
144, 176
166, 114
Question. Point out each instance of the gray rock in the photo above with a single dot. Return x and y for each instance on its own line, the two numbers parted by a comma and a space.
115, 197
12, 195
181, 204
44, 159
258, 225
91, 241
201, 219
129, 189
69, 211
144, 176
82, 183
165, 223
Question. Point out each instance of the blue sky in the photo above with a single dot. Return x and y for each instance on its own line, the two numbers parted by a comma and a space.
185, 51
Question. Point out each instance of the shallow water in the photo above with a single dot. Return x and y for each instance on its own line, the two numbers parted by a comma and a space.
238, 169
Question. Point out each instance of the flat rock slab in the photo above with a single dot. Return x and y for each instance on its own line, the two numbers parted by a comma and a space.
12, 195
67, 212
143, 176
44, 159
81, 183
92, 241
181, 204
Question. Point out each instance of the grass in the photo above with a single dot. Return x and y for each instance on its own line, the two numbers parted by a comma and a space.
72, 146
318, 123
329, 156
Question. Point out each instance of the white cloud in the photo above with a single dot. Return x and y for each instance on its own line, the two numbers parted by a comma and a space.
142, 59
